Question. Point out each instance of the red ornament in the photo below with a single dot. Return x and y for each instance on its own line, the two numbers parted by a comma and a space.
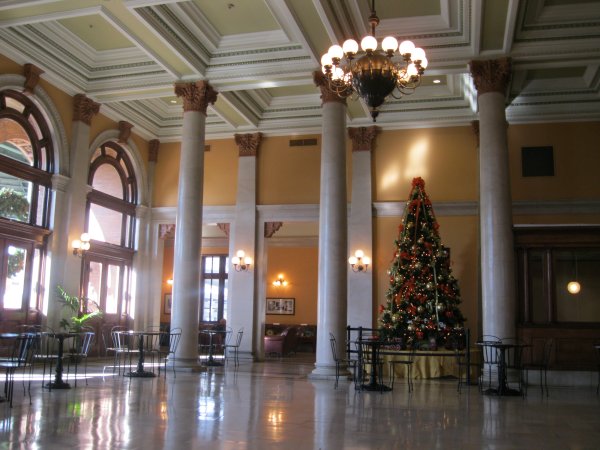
449, 314
419, 334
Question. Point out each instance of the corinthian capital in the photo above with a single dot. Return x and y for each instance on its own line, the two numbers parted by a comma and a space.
196, 96
248, 143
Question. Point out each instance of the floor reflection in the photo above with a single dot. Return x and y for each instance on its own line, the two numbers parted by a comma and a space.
273, 405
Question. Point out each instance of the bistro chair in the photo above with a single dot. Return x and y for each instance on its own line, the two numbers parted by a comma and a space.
342, 362
45, 352
540, 362
111, 345
82, 344
174, 336
407, 360
513, 361
365, 365
235, 347
489, 355
21, 358
464, 360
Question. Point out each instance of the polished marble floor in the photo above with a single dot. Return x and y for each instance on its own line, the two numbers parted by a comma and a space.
272, 405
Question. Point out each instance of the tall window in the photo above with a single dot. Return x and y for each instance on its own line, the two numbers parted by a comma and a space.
26, 167
214, 288
110, 222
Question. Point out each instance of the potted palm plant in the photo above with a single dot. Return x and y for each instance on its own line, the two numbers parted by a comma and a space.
80, 310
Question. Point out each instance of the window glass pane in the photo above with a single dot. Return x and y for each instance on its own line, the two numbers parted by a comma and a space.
112, 289
15, 277
14, 104
210, 304
36, 127
95, 277
42, 191
35, 279
581, 266
127, 301
107, 180
225, 296
14, 198
14, 142
105, 224
536, 286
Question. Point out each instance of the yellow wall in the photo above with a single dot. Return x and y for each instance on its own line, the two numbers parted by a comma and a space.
288, 175
446, 158
576, 161
300, 267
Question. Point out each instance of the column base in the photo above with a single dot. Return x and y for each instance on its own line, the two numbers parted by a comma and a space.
323, 372
185, 365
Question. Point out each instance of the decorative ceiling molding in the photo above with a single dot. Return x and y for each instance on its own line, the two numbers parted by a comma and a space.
265, 77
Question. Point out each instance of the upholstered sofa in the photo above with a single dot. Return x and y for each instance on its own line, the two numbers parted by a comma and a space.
281, 344
306, 334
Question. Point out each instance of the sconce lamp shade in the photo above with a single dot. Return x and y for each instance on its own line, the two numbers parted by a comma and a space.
359, 262
240, 261
280, 281
81, 245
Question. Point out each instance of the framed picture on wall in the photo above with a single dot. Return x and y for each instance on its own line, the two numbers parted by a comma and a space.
281, 306
167, 305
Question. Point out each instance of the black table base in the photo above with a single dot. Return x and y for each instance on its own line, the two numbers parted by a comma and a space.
375, 387
58, 385
140, 374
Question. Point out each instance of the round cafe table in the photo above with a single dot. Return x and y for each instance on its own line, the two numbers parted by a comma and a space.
140, 372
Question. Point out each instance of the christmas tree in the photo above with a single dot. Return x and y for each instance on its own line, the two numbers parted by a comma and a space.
423, 298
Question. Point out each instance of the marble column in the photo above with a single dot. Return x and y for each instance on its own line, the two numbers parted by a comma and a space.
360, 227
188, 233
499, 314
84, 109
241, 303
149, 309
333, 230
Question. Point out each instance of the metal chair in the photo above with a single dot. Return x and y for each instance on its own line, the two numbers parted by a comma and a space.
541, 363
235, 347
21, 357
366, 360
489, 356
406, 361
174, 337
45, 351
513, 361
82, 344
342, 362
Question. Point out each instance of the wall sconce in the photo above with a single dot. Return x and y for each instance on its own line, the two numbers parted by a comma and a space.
82, 245
241, 262
170, 281
280, 281
359, 262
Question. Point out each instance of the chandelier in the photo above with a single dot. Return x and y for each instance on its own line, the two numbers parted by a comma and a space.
374, 75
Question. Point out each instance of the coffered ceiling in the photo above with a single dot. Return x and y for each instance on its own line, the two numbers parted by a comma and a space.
260, 55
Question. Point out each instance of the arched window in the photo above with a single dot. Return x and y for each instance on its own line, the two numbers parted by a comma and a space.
110, 222
26, 167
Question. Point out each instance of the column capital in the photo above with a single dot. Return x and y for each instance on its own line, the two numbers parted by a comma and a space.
153, 150
124, 131
328, 95
271, 228
248, 143
363, 138
32, 77
196, 96
224, 227
166, 231
84, 109
491, 75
